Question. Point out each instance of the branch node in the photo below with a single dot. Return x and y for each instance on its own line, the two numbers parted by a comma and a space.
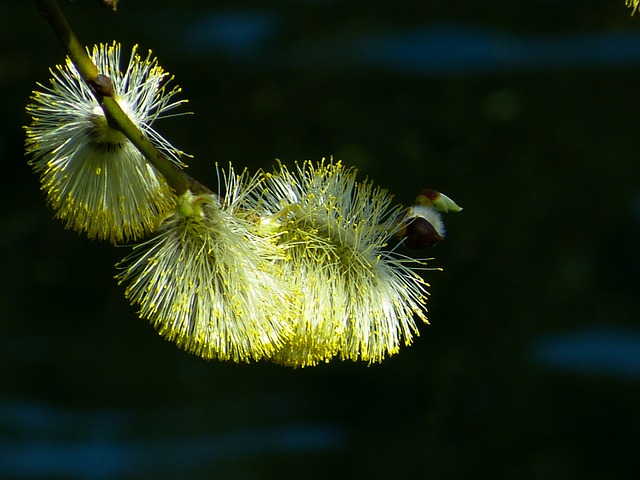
102, 85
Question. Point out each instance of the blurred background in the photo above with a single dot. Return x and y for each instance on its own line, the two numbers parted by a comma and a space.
523, 111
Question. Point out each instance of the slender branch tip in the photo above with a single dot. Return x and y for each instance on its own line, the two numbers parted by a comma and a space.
109, 4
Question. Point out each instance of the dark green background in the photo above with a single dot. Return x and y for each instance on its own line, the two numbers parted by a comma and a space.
530, 368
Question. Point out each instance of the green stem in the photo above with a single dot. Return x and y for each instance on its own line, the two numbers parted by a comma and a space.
103, 91
51, 12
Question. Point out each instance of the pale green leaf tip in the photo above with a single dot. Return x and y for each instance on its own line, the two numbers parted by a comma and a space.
439, 201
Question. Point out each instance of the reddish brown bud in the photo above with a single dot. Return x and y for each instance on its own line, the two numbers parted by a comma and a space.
420, 234
429, 194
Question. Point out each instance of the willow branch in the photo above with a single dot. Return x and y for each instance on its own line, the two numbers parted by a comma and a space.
103, 91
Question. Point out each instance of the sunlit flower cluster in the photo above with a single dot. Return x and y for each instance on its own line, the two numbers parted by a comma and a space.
207, 279
296, 266
94, 178
291, 266
354, 298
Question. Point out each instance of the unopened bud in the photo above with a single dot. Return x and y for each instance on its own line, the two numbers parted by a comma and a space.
439, 201
420, 234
